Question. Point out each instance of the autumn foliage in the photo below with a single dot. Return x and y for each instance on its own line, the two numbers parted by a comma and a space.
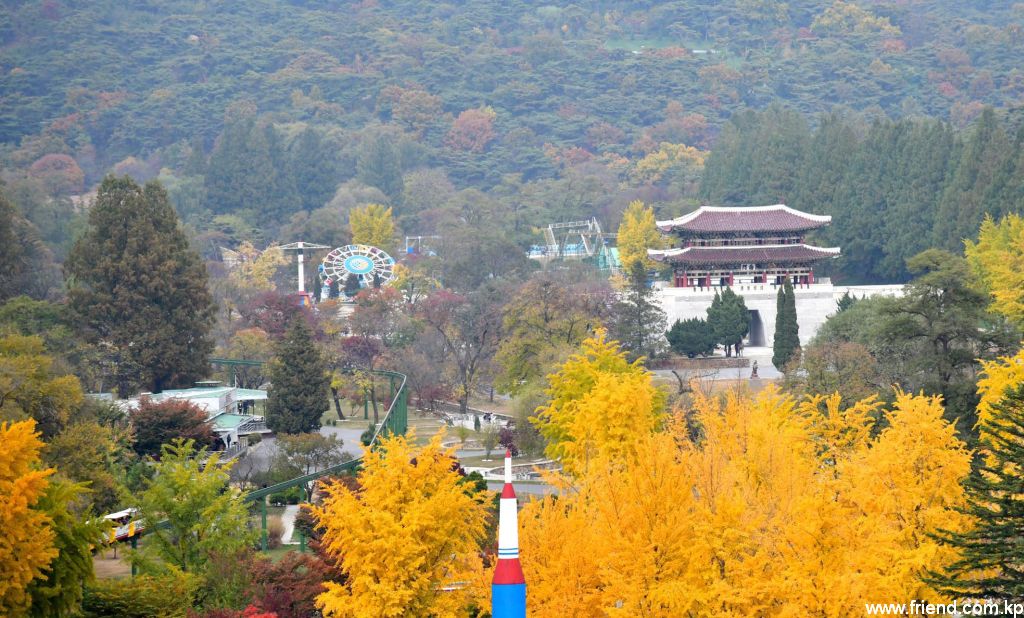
472, 130
778, 508
409, 535
28, 541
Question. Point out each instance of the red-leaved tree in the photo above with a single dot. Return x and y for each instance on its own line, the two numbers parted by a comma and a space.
157, 424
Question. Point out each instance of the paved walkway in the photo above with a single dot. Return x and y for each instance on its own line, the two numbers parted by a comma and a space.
762, 355
288, 522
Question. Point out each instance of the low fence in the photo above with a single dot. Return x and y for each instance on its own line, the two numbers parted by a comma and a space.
696, 364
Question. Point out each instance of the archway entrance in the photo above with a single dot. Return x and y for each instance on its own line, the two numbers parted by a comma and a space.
755, 338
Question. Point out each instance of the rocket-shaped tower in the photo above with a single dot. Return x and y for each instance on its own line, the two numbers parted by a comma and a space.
508, 589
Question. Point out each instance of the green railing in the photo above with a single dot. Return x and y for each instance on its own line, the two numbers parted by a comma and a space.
396, 422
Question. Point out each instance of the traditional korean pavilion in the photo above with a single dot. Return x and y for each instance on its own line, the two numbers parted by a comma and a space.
725, 246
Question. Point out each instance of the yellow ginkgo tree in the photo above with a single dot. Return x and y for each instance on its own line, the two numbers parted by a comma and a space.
751, 506
372, 225
407, 539
998, 261
28, 544
637, 233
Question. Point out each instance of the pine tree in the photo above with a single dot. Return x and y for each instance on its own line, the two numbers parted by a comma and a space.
26, 264
729, 320
299, 382
986, 151
12, 264
845, 302
136, 285
992, 550
787, 339
691, 337
637, 321
379, 165
312, 170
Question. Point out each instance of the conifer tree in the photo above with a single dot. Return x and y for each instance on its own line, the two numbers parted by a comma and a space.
787, 339
986, 151
299, 382
637, 321
845, 302
729, 320
136, 285
379, 165
691, 337
992, 550
312, 170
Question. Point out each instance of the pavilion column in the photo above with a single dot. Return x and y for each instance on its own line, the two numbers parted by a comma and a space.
810, 277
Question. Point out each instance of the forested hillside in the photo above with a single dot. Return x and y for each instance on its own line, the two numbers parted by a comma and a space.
271, 120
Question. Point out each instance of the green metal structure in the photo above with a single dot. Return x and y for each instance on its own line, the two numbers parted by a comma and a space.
395, 422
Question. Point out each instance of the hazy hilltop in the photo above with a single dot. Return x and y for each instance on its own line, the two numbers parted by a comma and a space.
127, 78
272, 119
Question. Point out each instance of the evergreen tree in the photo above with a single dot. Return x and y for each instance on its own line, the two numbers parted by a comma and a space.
12, 265
691, 337
26, 265
637, 321
379, 165
351, 285
787, 339
845, 301
986, 151
312, 170
136, 285
299, 382
729, 320
992, 550
248, 171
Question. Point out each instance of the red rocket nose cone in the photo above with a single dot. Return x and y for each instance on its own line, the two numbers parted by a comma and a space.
508, 453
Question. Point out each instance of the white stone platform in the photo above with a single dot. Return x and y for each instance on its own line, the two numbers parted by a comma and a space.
814, 304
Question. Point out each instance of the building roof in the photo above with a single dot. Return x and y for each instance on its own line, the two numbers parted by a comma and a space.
230, 421
718, 219
752, 254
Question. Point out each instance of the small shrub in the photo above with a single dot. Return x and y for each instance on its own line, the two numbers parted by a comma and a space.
140, 597
292, 495
275, 530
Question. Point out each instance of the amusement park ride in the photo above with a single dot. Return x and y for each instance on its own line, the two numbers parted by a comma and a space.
370, 266
577, 240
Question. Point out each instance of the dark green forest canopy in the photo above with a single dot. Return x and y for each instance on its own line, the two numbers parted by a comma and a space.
132, 77
512, 115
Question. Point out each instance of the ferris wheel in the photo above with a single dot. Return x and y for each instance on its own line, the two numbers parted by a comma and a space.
370, 266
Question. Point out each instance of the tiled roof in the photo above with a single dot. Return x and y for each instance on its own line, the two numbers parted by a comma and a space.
716, 219
754, 254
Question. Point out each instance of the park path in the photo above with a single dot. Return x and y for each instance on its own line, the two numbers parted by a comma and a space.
288, 523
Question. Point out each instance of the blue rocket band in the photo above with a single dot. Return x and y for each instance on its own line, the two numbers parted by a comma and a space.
508, 601
511, 552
